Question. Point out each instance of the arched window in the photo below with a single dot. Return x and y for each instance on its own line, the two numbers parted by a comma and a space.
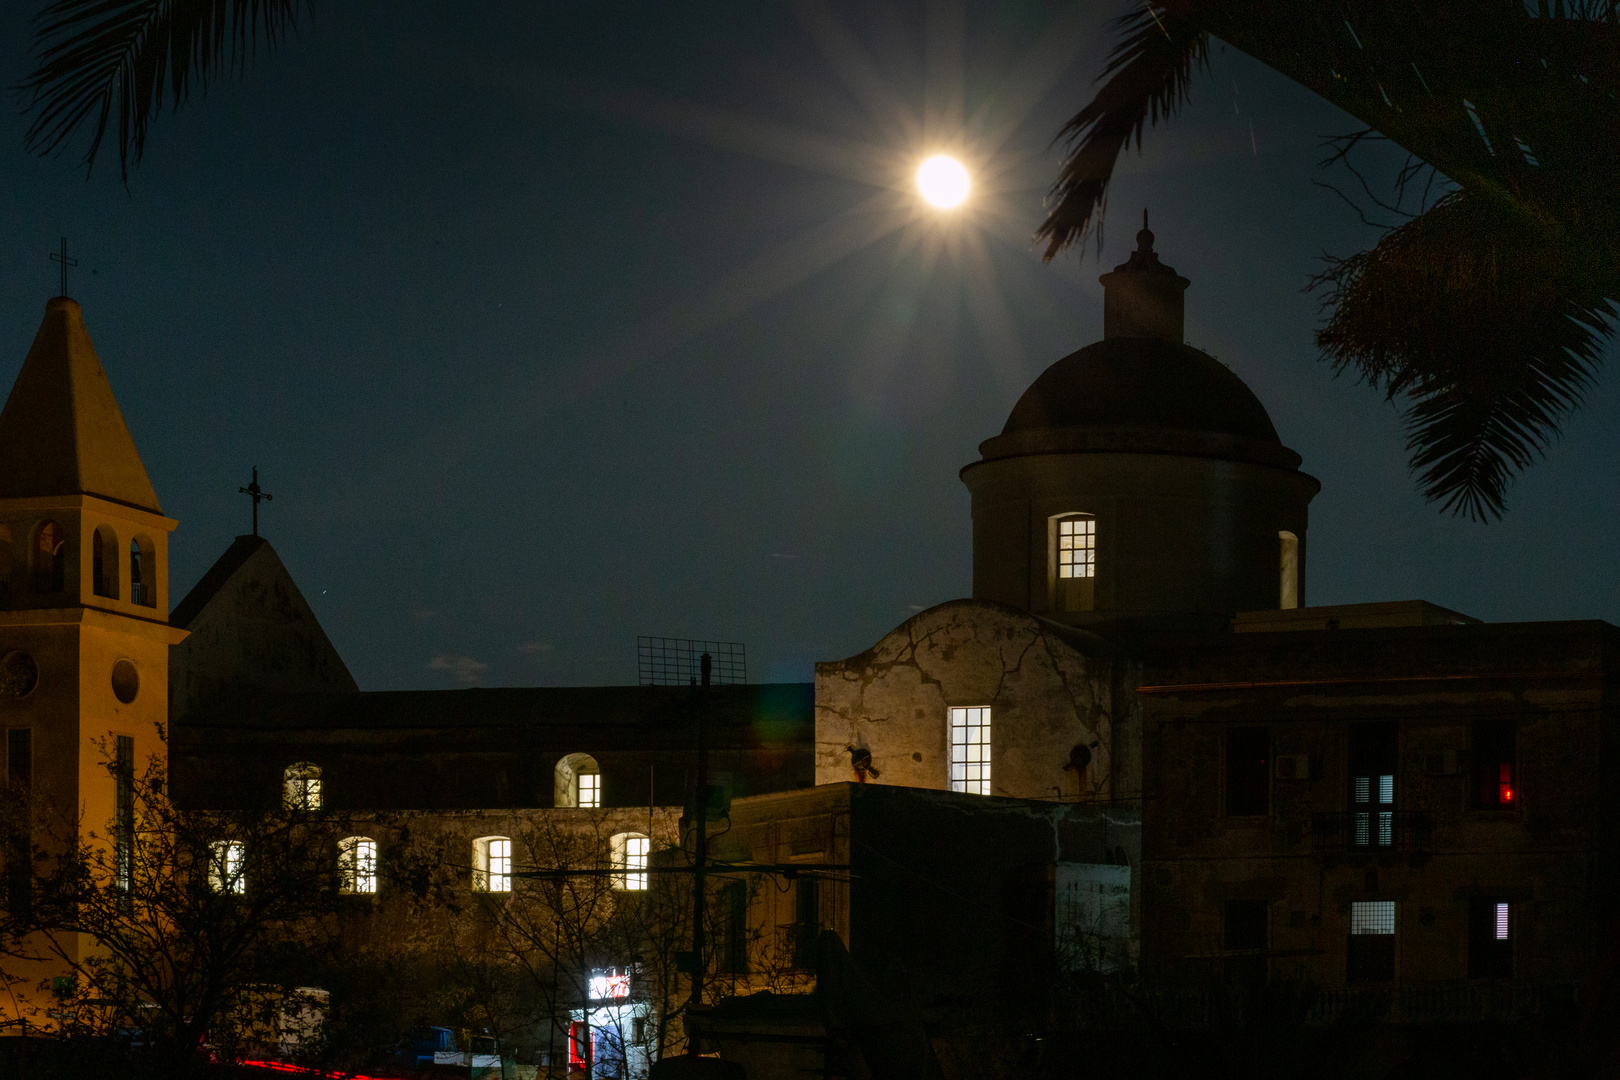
301, 786
142, 572
49, 557
226, 860
492, 864
630, 853
1288, 587
104, 563
578, 782
357, 865
1072, 539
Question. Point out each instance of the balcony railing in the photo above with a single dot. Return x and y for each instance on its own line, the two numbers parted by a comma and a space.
1372, 831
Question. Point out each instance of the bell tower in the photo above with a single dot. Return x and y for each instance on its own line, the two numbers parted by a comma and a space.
84, 599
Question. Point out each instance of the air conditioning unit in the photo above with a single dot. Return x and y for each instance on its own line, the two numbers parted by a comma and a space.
1293, 766
1442, 763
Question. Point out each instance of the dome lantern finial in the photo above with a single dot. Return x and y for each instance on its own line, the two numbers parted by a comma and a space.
1143, 297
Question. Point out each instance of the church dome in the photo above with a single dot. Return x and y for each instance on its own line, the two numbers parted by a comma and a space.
1142, 382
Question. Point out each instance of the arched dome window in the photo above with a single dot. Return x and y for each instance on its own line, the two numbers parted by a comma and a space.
301, 786
578, 782
1072, 542
1288, 567
49, 557
142, 572
630, 853
104, 563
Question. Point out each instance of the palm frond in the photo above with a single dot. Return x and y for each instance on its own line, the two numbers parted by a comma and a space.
1152, 70
112, 63
1486, 324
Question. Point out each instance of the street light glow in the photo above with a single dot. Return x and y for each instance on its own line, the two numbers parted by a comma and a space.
943, 181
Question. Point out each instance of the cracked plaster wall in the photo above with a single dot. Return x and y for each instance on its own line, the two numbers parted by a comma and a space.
1045, 696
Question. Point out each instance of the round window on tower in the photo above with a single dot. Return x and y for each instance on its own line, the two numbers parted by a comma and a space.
18, 674
126, 681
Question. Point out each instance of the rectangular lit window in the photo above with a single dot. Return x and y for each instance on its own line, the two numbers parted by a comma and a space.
225, 867
357, 862
590, 790
1490, 939
1371, 951
635, 859
492, 870
970, 750
1372, 917
1373, 752
1077, 547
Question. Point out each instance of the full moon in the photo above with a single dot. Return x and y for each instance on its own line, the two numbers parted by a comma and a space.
943, 181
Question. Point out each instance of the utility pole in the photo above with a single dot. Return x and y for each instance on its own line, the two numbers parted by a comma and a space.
700, 854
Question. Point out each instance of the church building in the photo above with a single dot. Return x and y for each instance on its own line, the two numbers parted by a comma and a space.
1133, 748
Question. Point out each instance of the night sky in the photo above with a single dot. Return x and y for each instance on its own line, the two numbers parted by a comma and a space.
584, 321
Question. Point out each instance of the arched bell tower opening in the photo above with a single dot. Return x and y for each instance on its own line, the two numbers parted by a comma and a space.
1139, 480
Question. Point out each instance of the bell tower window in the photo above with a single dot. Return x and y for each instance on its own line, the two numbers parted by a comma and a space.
104, 563
142, 572
1073, 540
49, 559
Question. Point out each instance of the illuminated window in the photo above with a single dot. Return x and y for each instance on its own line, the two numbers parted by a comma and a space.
357, 865
578, 782
1373, 752
1371, 953
630, 852
124, 800
492, 864
1490, 942
970, 750
225, 866
1288, 588
301, 786
1074, 562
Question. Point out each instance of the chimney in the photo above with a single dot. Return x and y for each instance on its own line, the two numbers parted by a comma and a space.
1143, 298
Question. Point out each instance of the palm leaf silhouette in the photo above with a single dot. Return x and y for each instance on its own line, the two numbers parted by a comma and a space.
1484, 317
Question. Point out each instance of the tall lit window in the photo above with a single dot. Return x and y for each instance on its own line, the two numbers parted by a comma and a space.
1490, 942
1288, 585
492, 864
1371, 952
588, 790
301, 786
630, 852
970, 750
226, 869
1074, 562
357, 864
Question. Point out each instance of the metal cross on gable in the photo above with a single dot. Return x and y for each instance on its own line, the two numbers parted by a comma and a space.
66, 262
256, 493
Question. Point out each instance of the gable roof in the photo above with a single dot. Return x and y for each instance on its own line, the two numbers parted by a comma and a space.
61, 432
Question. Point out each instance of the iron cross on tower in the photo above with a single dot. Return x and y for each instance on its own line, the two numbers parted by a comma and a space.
66, 262
255, 492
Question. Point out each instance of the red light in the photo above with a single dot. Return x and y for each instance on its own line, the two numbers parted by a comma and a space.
576, 1044
282, 1066
1507, 793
